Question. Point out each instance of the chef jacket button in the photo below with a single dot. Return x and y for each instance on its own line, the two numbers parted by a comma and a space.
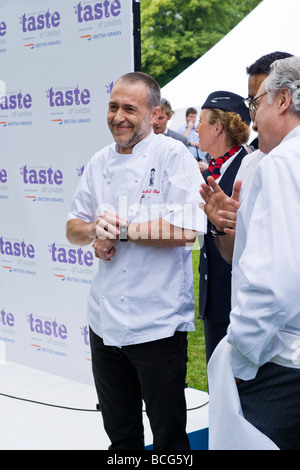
122, 298
124, 269
103, 297
136, 180
108, 181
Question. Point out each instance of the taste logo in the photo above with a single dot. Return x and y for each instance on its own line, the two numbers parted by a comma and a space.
72, 264
68, 97
16, 248
47, 327
39, 22
97, 11
71, 256
41, 176
3, 28
3, 176
7, 319
80, 170
85, 334
12, 101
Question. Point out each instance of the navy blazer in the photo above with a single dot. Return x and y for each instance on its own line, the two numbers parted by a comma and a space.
215, 272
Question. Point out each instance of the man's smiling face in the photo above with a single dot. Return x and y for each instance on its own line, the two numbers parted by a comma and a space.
129, 118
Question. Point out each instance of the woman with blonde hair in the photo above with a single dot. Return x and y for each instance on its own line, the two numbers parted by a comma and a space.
223, 132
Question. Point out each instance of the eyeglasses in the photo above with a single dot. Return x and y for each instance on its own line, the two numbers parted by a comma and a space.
253, 104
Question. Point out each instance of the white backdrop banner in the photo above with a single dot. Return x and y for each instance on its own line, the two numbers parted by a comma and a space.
58, 62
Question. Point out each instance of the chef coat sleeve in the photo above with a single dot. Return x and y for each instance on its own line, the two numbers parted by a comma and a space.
269, 298
182, 183
82, 206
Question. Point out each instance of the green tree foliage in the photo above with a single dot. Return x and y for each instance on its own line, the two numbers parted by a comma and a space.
175, 33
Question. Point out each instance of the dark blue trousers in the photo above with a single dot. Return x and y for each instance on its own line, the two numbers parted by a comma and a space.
154, 372
214, 333
271, 402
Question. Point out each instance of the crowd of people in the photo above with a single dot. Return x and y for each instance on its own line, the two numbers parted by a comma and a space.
203, 180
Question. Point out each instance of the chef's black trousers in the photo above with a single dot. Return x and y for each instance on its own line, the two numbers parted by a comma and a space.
153, 372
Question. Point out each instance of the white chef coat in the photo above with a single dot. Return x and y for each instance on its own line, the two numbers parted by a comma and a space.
247, 170
228, 429
143, 293
265, 316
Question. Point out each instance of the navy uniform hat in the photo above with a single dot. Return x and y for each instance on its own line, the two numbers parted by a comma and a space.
230, 102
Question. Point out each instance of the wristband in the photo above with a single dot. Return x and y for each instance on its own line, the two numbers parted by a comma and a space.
216, 233
123, 233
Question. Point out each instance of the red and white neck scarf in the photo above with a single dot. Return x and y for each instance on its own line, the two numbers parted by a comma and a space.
215, 165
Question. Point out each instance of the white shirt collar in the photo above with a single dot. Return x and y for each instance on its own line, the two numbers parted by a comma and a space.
294, 133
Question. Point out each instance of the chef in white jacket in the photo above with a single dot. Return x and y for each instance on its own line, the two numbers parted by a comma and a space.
263, 340
138, 202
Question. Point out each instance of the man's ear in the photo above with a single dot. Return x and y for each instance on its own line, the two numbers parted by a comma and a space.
156, 112
285, 100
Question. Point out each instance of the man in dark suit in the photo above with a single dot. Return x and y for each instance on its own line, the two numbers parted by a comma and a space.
160, 125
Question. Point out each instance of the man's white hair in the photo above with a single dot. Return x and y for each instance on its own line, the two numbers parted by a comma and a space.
285, 73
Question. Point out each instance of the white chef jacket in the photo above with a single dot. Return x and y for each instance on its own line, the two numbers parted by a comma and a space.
265, 316
246, 171
228, 429
143, 293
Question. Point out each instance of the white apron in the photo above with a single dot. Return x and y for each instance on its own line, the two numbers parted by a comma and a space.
228, 429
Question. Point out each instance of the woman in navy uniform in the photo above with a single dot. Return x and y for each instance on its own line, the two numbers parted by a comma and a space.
223, 130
